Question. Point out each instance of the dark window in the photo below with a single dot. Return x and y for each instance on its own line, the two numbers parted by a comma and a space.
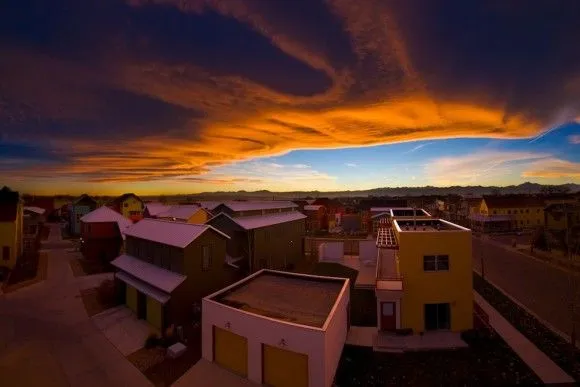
436, 263
527, 221
205, 257
125, 205
494, 212
521, 211
437, 316
509, 212
527, 210
6, 253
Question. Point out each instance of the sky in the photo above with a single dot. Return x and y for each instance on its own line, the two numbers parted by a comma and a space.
185, 96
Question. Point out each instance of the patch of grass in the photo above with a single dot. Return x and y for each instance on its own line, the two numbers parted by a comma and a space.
560, 351
487, 362
99, 299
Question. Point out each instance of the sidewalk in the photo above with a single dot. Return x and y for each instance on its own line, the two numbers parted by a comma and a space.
538, 361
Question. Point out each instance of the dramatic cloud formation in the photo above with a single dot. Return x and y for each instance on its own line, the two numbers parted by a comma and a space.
141, 90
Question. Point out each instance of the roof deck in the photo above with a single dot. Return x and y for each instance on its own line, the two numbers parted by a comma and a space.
409, 212
295, 298
426, 225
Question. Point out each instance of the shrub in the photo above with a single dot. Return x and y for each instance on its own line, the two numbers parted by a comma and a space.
152, 341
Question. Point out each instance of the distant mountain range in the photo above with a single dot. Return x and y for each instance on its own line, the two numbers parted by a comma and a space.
476, 191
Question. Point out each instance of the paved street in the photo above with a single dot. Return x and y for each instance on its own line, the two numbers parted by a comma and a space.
541, 287
46, 338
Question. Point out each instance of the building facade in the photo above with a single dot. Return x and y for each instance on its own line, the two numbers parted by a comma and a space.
316, 218
424, 276
79, 208
522, 211
129, 205
11, 227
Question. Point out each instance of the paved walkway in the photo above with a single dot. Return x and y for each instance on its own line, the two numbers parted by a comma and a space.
537, 360
207, 374
46, 338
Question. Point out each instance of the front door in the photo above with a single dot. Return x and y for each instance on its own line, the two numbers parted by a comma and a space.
388, 316
141, 306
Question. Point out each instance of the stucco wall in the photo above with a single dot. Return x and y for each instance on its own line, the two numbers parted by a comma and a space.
335, 337
260, 330
8, 238
420, 287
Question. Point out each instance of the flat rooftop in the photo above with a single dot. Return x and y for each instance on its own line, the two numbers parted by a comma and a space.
408, 225
285, 296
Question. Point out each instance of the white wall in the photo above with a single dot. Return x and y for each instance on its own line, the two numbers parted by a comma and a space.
335, 337
261, 330
367, 250
331, 251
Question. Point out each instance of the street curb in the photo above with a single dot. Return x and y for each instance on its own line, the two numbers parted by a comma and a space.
558, 332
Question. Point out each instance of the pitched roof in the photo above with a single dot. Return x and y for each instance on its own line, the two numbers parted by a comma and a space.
513, 201
84, 198
259, 221
120, 199
182, 212
169, 233
209, 205
259, 205
8, 205
313, 207
156, 208
104, 215
36, 210
156, 276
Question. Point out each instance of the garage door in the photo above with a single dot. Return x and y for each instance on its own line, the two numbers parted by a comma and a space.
132, 298
230, 351
283, 368
154, 313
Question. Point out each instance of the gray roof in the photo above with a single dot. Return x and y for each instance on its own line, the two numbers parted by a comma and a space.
169, 233
155, 276
259, 205
258, 221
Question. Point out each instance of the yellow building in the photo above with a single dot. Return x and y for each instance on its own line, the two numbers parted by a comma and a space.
185, 213
522, 211
11, 227
562, 216
129, 205
424, 276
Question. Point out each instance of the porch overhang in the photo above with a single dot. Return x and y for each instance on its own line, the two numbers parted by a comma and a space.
389, 289
144, 287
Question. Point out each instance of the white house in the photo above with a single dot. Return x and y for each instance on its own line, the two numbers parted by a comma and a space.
278, 328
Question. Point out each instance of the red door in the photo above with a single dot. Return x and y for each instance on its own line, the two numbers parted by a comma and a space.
388, 316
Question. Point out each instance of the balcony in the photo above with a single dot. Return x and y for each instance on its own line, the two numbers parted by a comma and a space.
389, 283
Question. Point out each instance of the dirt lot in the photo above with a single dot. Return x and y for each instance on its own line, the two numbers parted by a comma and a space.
97, 300
81, 267
487, 362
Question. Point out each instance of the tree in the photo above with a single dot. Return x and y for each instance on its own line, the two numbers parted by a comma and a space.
554, 189
540, 239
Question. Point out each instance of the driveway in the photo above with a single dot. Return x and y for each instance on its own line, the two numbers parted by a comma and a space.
123, 329
46, 338
542, 288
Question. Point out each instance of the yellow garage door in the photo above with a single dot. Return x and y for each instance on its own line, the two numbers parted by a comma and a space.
132, 298
154, 313
283, 368
230, 351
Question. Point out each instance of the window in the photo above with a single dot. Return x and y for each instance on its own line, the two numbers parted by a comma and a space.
125, 205
388, 308
205, 257
6, 253
527, 210
437, 316
509, 212
436, 263
527, 222
521, 211
494, 212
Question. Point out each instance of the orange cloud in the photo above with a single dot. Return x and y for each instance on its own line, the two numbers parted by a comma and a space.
553, 169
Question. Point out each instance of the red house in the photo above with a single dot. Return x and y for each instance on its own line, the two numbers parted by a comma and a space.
102, 234
317, 218
334, 211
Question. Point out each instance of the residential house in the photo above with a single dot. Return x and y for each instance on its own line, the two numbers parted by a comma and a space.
423, 277
500, 213
562, 216
152, 209
102, 234
352, 223
277, 328
11, 227
168, 267
33, 220
185, 213
334, 211
79, 208
364, 209
262, 234
129, 205
208, 205
44, 202
316, 217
